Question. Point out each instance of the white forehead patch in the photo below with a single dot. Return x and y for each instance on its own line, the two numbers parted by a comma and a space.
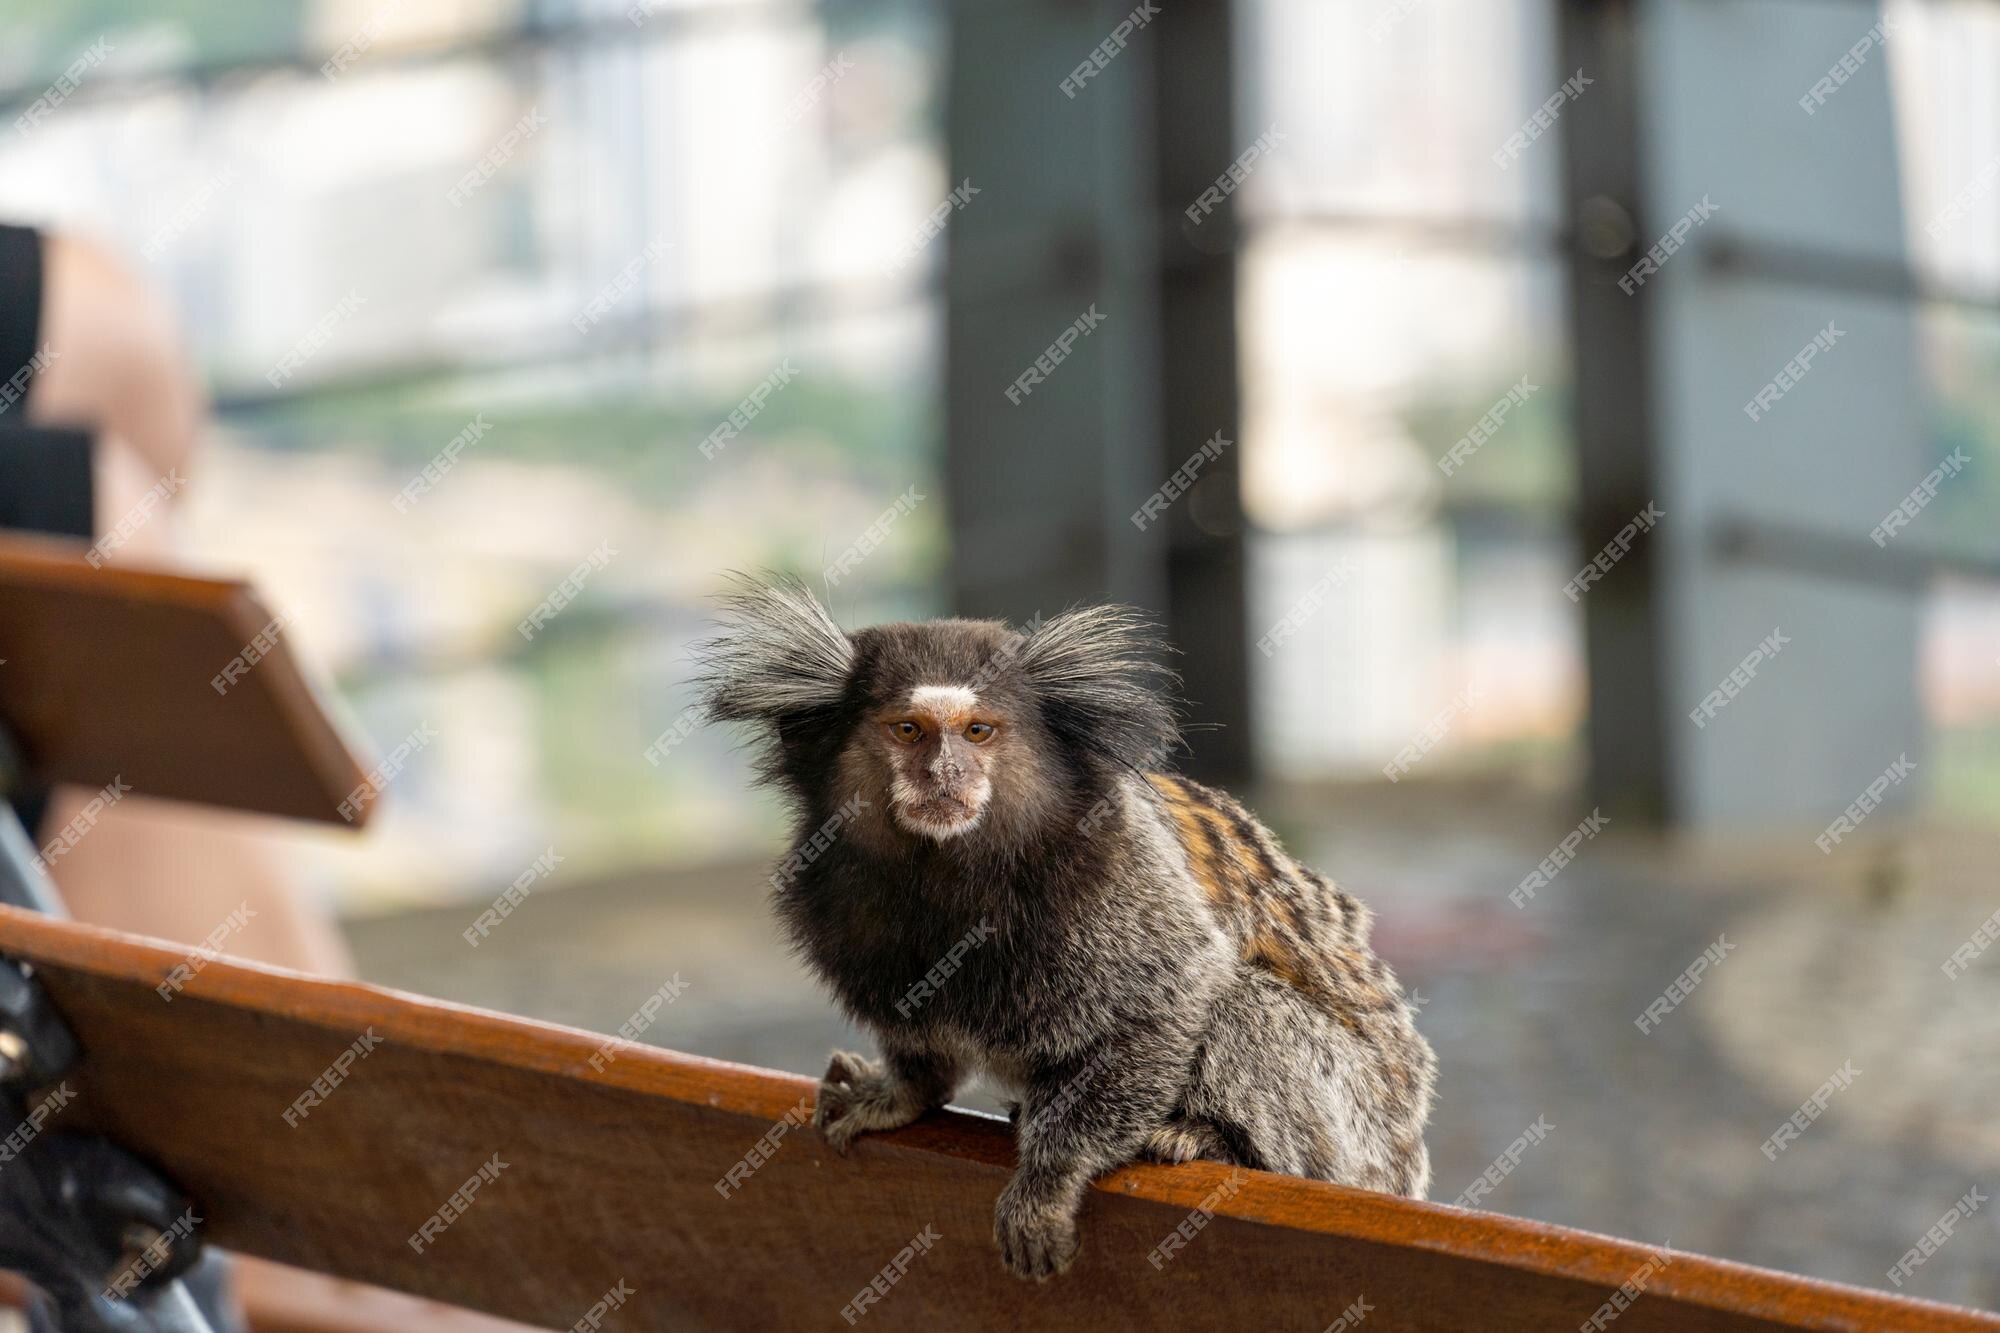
945, 700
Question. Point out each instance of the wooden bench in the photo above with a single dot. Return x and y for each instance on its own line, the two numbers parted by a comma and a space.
556, 1177
110, 673
620, 1163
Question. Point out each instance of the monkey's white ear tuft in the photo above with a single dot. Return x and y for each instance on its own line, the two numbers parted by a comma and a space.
779, 654
1103, 686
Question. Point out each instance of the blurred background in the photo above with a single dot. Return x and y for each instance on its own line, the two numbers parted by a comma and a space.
667, 289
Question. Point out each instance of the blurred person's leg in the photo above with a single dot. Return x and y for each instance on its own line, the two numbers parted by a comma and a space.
177, 872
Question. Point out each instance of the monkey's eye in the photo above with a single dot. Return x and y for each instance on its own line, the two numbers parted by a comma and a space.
909, 733
979, 733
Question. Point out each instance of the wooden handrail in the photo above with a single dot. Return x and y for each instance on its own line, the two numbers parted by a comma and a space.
610, 1156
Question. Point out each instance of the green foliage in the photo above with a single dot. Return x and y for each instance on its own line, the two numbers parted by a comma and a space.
645, 439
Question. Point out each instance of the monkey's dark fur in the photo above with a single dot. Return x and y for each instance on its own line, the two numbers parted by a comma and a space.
1139, 961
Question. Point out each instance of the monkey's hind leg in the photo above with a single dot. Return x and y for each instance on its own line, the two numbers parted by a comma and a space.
1298, 1092
1184, 1140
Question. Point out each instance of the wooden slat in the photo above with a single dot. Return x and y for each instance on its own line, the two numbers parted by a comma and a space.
107, 675
610, 1176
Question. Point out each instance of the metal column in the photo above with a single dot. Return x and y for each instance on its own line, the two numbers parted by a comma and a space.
1078, 219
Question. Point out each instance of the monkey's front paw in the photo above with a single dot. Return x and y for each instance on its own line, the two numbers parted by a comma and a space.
858, 1096
1036, 1240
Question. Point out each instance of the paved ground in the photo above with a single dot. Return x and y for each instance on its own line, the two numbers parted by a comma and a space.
1831, 962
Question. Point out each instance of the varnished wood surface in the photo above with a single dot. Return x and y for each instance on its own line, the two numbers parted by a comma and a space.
107, 675
610, 1176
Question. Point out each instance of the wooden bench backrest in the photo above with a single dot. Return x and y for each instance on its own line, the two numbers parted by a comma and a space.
610, 1176
108, 674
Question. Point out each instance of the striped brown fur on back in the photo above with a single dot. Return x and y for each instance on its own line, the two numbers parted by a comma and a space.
1287, 919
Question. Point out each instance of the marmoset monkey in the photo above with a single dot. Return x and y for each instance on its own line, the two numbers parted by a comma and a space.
992, 874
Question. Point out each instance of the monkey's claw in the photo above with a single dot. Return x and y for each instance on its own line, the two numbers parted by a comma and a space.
841, 1090
1036, 1241
857, 1096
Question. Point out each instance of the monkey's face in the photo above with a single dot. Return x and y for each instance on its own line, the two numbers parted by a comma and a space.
939, 745
946, 739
